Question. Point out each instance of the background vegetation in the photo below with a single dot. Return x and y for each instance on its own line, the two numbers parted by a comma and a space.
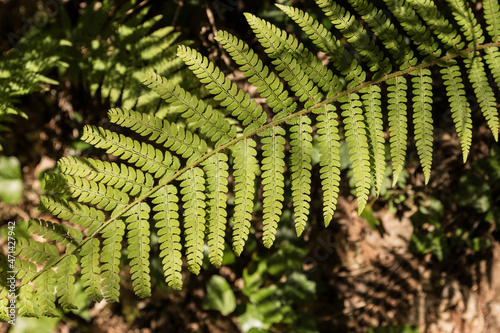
420, 259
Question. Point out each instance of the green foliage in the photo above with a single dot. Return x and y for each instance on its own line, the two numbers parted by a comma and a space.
219, 296
11, 183
163, 164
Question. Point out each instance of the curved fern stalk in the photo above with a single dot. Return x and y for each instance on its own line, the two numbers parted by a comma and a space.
397, 124
91, 271
215, 168
110, 257
138, 245
199, 115
165, 200
373, 115
244, 108
422, 119
475, 66
357, 36
329, 143
355, 133
177, 139
193, 188
273, 166
245, 168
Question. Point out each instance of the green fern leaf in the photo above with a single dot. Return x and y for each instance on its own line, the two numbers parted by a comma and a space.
59, 233
356, 35
268, 84
216, 168
232, 98
91, 271
193, 187
37, 252
422, 119
199, 115
165, 200
46, 293
175, 138
25, 302
492, 17
65, 278
273, 166
76, 213
143, 155
329, 143
300, 166
398, 127
416, 29
460, 108
245, 169
110, 257
120, 176
357, 142
373, 115
138, 245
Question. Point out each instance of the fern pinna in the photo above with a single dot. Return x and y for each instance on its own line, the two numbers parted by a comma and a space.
187, 163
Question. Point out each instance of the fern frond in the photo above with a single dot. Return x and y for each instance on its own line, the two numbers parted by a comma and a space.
138, 245
415, 28
165, 200
91, 271
46, 293
199, 115
59, 233
98, 194
373, 114
492, 17
273, 166
66, 268
398, 127
25, 302
439, 25
484, 93
143, 155
268, 85
356, 35
120, 176
298, 66
74, 212
329, 143
193, 191
230, 96
36, 252
177, 139
355, 133
460, 108
215, 168
422, 119
245, 169
300, 166
110, 258
467, 22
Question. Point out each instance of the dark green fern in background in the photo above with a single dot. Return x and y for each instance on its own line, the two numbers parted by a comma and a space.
173, 175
